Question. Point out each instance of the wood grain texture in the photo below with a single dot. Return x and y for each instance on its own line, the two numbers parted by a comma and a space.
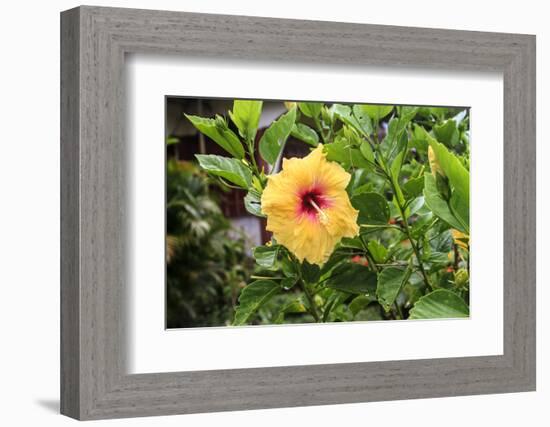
70, 333
94, 382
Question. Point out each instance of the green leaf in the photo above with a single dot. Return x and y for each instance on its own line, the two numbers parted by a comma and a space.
289, 282
359, 303
418, 140
442, 241
390, 281
447, 133
414, 186
363, 119
396, 139
252, 297
415, 205
373, 208
343, 152
305, 133
266, 256
274, 138
310, 109
218, 131
295, 306
460, 210
345, 114
253, 205
366, 151
288, 267
458, 175
439, 304
359, 179
377, 112
378, 251
310, 272
355, 242
407, 113
353, 279
232, 170
395, 167
438, 205
246, 116
437, 258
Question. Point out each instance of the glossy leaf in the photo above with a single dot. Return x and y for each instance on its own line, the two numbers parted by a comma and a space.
373, 208
378, 251
246, 116
345, 114
274, 138
460, 210
231, 170
296, 306
310, 109
438, 205
439, 304
396, 139
252, 297
310, 272
266, 256
413, 187
252, 203
458, 175
218, 131
377, 112
363, 118
353, 279
366, 151
447, 133
345, 154
390, 282
305, 133
359, 303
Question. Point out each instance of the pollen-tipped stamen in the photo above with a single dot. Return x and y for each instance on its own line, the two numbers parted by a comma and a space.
323, 217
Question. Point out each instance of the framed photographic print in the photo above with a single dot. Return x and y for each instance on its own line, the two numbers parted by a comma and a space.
263, 213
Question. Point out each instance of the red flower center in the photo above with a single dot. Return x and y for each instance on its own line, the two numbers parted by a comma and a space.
312, 202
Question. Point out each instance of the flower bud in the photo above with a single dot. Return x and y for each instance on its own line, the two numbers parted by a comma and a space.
461, 278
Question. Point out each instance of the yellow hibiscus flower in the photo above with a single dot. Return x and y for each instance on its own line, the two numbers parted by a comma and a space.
307, 207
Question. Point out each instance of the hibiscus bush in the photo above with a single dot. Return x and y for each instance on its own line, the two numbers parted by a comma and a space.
372, 224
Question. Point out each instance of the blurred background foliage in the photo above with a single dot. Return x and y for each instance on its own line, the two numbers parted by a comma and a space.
206, 258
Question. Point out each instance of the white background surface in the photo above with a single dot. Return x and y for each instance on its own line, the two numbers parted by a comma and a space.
154, 349
29, 224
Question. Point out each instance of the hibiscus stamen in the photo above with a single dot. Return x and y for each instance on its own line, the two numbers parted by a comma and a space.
323, 217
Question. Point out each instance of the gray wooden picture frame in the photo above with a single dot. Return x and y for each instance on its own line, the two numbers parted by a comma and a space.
94, 382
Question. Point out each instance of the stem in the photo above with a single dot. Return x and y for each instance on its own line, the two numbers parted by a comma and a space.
380, 226
252, 157
408, 234
372, 263
319, 129
393, 264
415, 248
456, 255
399, 311
313, 307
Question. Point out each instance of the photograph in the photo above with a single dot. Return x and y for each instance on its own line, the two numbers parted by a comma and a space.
293, 212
